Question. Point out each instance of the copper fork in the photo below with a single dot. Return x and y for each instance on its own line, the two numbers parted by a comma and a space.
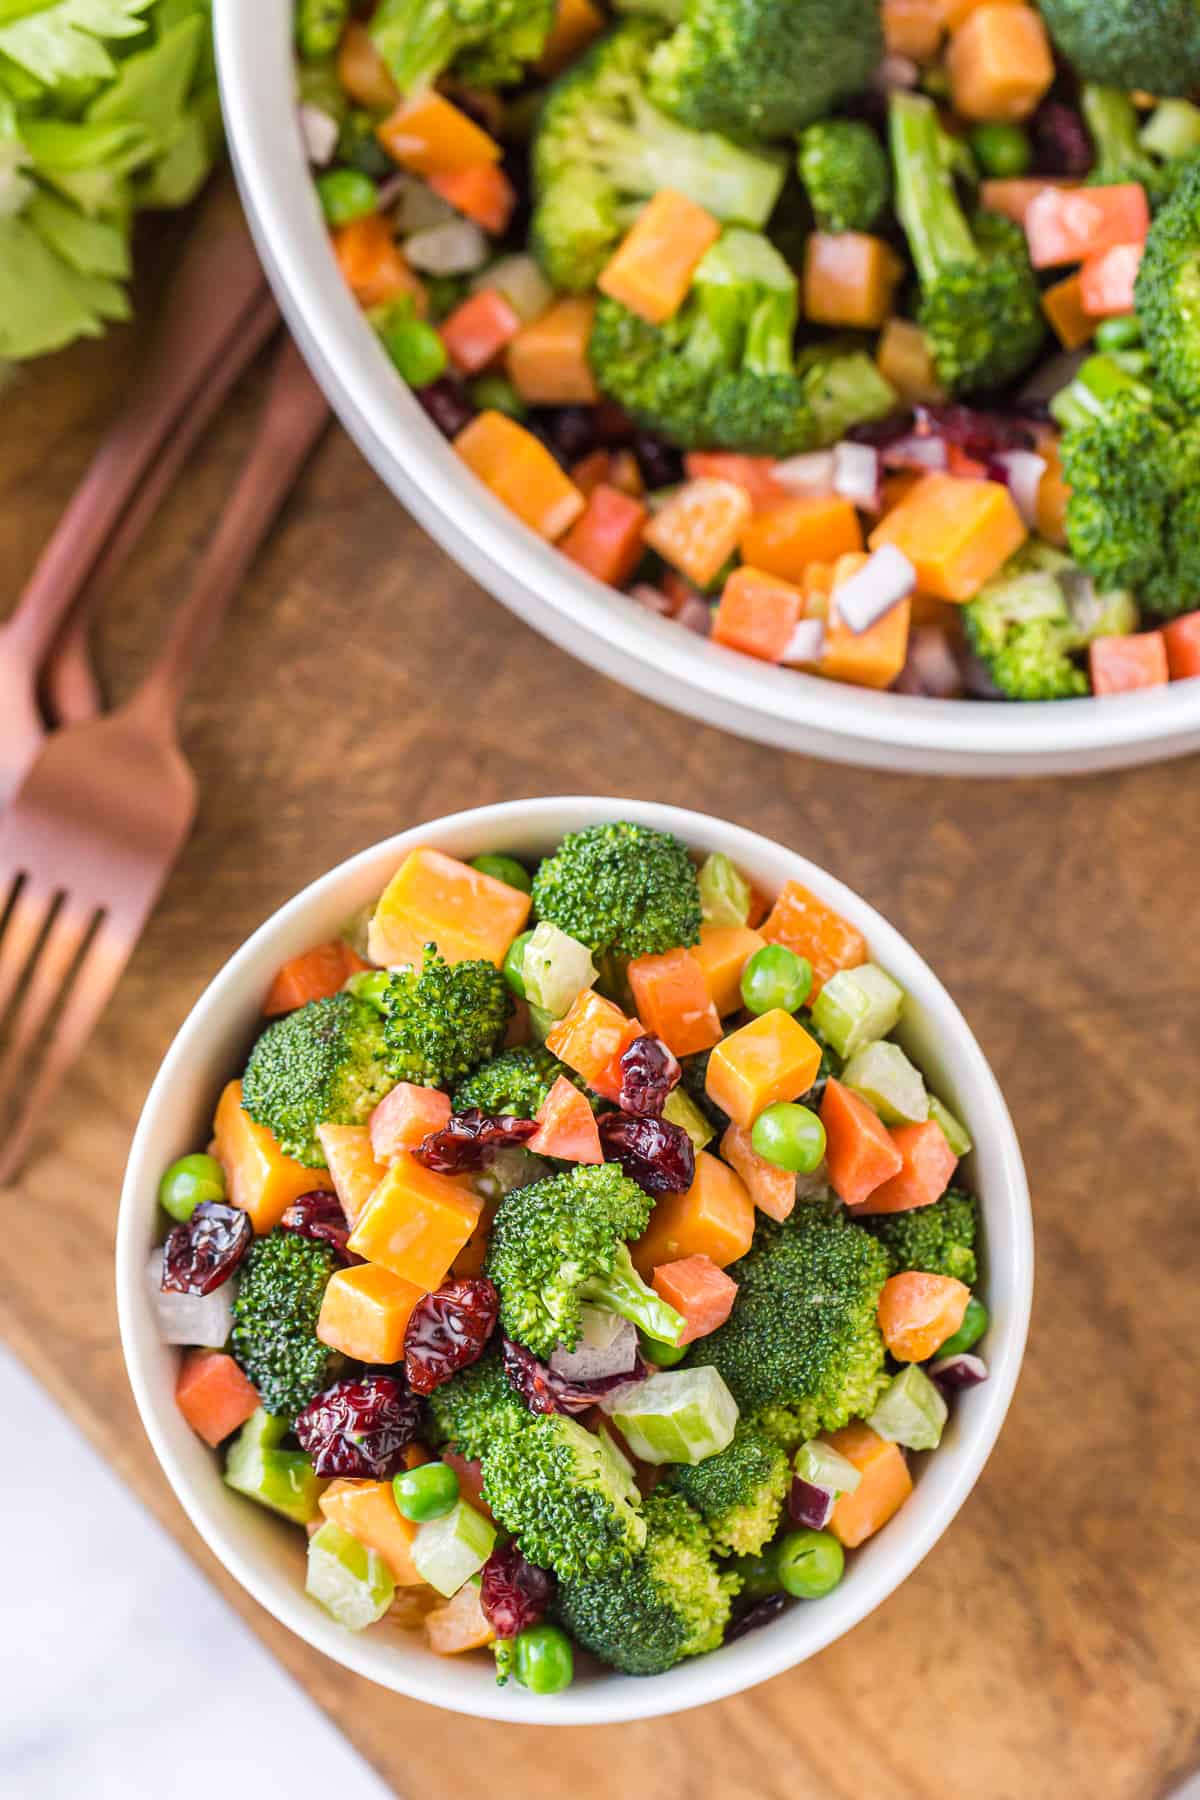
94, 829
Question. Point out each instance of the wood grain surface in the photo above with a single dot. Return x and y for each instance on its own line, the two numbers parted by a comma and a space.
1049, 1646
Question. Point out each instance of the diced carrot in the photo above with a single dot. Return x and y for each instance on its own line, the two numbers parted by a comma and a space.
905, 359
999, 62
926, 1164
405, 1117
353, 1168
1011, 195
955, 533
1182, 640
885, 1485
859, 1150
470, 1479
673, 1001
624, 473
849, 279
431, 136
373, 264
521, 473
478, 329
956, 12
213, 1394
434, 898
785, 540
472, 1258
722, 953
1068, 225
592, 1039
607, 539
482, 192
1052, 496
261, 1179
754, 473
315, 975
698, 528
566, 1126
812, 929
695, 1287
547, 360
1063, 306
368, 1511
872, 658
591, 470
362, 72
576, 23
960, 463
757, 614
918, 1312
772, 1189
460, 1624
715, 1218
772, 1058
1118, 665
365, 1312
913, 28
1106, 280
416, 1222
651, 269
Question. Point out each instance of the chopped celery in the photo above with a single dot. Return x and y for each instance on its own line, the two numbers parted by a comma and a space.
883, 1075
911, 1412
352, 1583
682, 1110
678, 1415
826, 1467
541, 1023
857, 1006
956, 1133
448, 1551
1173, 129
510, 1168
557, 968
284, 1480
724, 892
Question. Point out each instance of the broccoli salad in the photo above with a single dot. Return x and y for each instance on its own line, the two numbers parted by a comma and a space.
855, 335
579, 1258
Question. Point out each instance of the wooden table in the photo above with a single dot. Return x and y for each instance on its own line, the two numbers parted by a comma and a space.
1049, 1646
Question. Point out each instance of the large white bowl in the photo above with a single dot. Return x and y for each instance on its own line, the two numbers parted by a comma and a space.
267, 1557
654, 656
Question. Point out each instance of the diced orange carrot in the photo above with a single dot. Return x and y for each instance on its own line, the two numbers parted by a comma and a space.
812, 929
849, 279
904, 359
353, 1167
576, 23
482, 192
1052, 496
698, 528
547, 360
472, 1258
999, 62
1011, 195
624, 473
592, 1039
927, 1163
405, 1117
757, 613
213, 1394
918, 1312
261, 1179
521, 473
772, 1189
1069, 225
715, 1218
434, 898
960, 462
722, 953
470, 1479
368, 1511
1182, 640
872, 658
651, 270
365, 1312
673, 1001
416, 1222
460, 1624
695, 1287
754, 473
956, 12
607, 539
1118, 665
315, 975
955, 533
478, 329
885, 1485
566, 1126
373, 264
859, 1150
785, 540
772, 1058
1063, 306
591, 470
431, 136
1106, 280
362, 72
913, 28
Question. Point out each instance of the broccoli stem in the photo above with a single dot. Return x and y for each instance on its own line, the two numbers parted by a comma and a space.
1097, 383
417, 41
624, 1292
933, 221
1112, 123
653, 152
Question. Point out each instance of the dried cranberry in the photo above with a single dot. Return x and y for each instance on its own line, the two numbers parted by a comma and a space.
448, 1330
881, 432
761, 1613
1061, 145
571, 431
648, 1073
204, 1251
469, 1138
657, 1155
660, 463
446, 404
544, 1391
980, 434
513, 1593
611, 425
359, 1428
319, 1215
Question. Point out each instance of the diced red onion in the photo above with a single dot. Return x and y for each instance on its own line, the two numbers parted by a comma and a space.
932, 669
319, 130
592, 1362
521, 282
694, 615
811, 1505
811, 473
456, 248
1083, 602
857, 475
807, 642
412, 203
651, 597
961, 1371
895, 72
917, 451
1022, 472
886, 578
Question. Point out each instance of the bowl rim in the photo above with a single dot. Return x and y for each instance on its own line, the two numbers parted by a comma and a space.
755, 1658
654, 656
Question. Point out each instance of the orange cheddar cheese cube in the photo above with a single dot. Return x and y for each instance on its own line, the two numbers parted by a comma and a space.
365, 1313
810, 928
353, 1167
473, 1255
368, 1511
772, 1058
956, 532
521, 473
262, 1180
872, 658
722, 953
885, 1485
673, 1001
416, 1222
651, 270
715, 1218
816, 528
999, 63
434, 898
592, 1039
849, 279
431, 136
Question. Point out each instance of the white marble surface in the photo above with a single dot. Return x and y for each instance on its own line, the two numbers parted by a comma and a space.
110, 1638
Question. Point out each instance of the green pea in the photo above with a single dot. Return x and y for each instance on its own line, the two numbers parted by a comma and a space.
1001, 150
496, 393
506, 869
792, 1137
543, 1660
427, 1492
416, 350
810, 1563
663, 1356
775, 978
976, 1320
514, 964
759, 1575
1124, 333
346, 195
443, 293
188, 1182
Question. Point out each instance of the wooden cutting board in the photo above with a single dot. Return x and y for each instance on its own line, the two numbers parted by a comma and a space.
1049, 1645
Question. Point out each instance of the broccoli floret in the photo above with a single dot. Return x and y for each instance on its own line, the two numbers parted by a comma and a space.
321, 1065
762, 69
1151, 44
563, 1242
516, 1082
475, 1407
740, 1492
803, 1333
1112, 123
670, 1602
846, 174
566, 1493
939, 1239
601, 149
281, 1286
1167, 291
1022, 627
623, 890
487, 42
980, 307
440, 1022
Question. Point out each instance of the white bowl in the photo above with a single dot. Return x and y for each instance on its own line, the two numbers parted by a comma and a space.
267, 1557
654, 656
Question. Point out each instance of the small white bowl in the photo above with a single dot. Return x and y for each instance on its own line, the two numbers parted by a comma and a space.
654, 656
267, 1557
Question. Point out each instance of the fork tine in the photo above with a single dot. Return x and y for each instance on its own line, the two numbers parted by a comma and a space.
28, 917
47, 986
